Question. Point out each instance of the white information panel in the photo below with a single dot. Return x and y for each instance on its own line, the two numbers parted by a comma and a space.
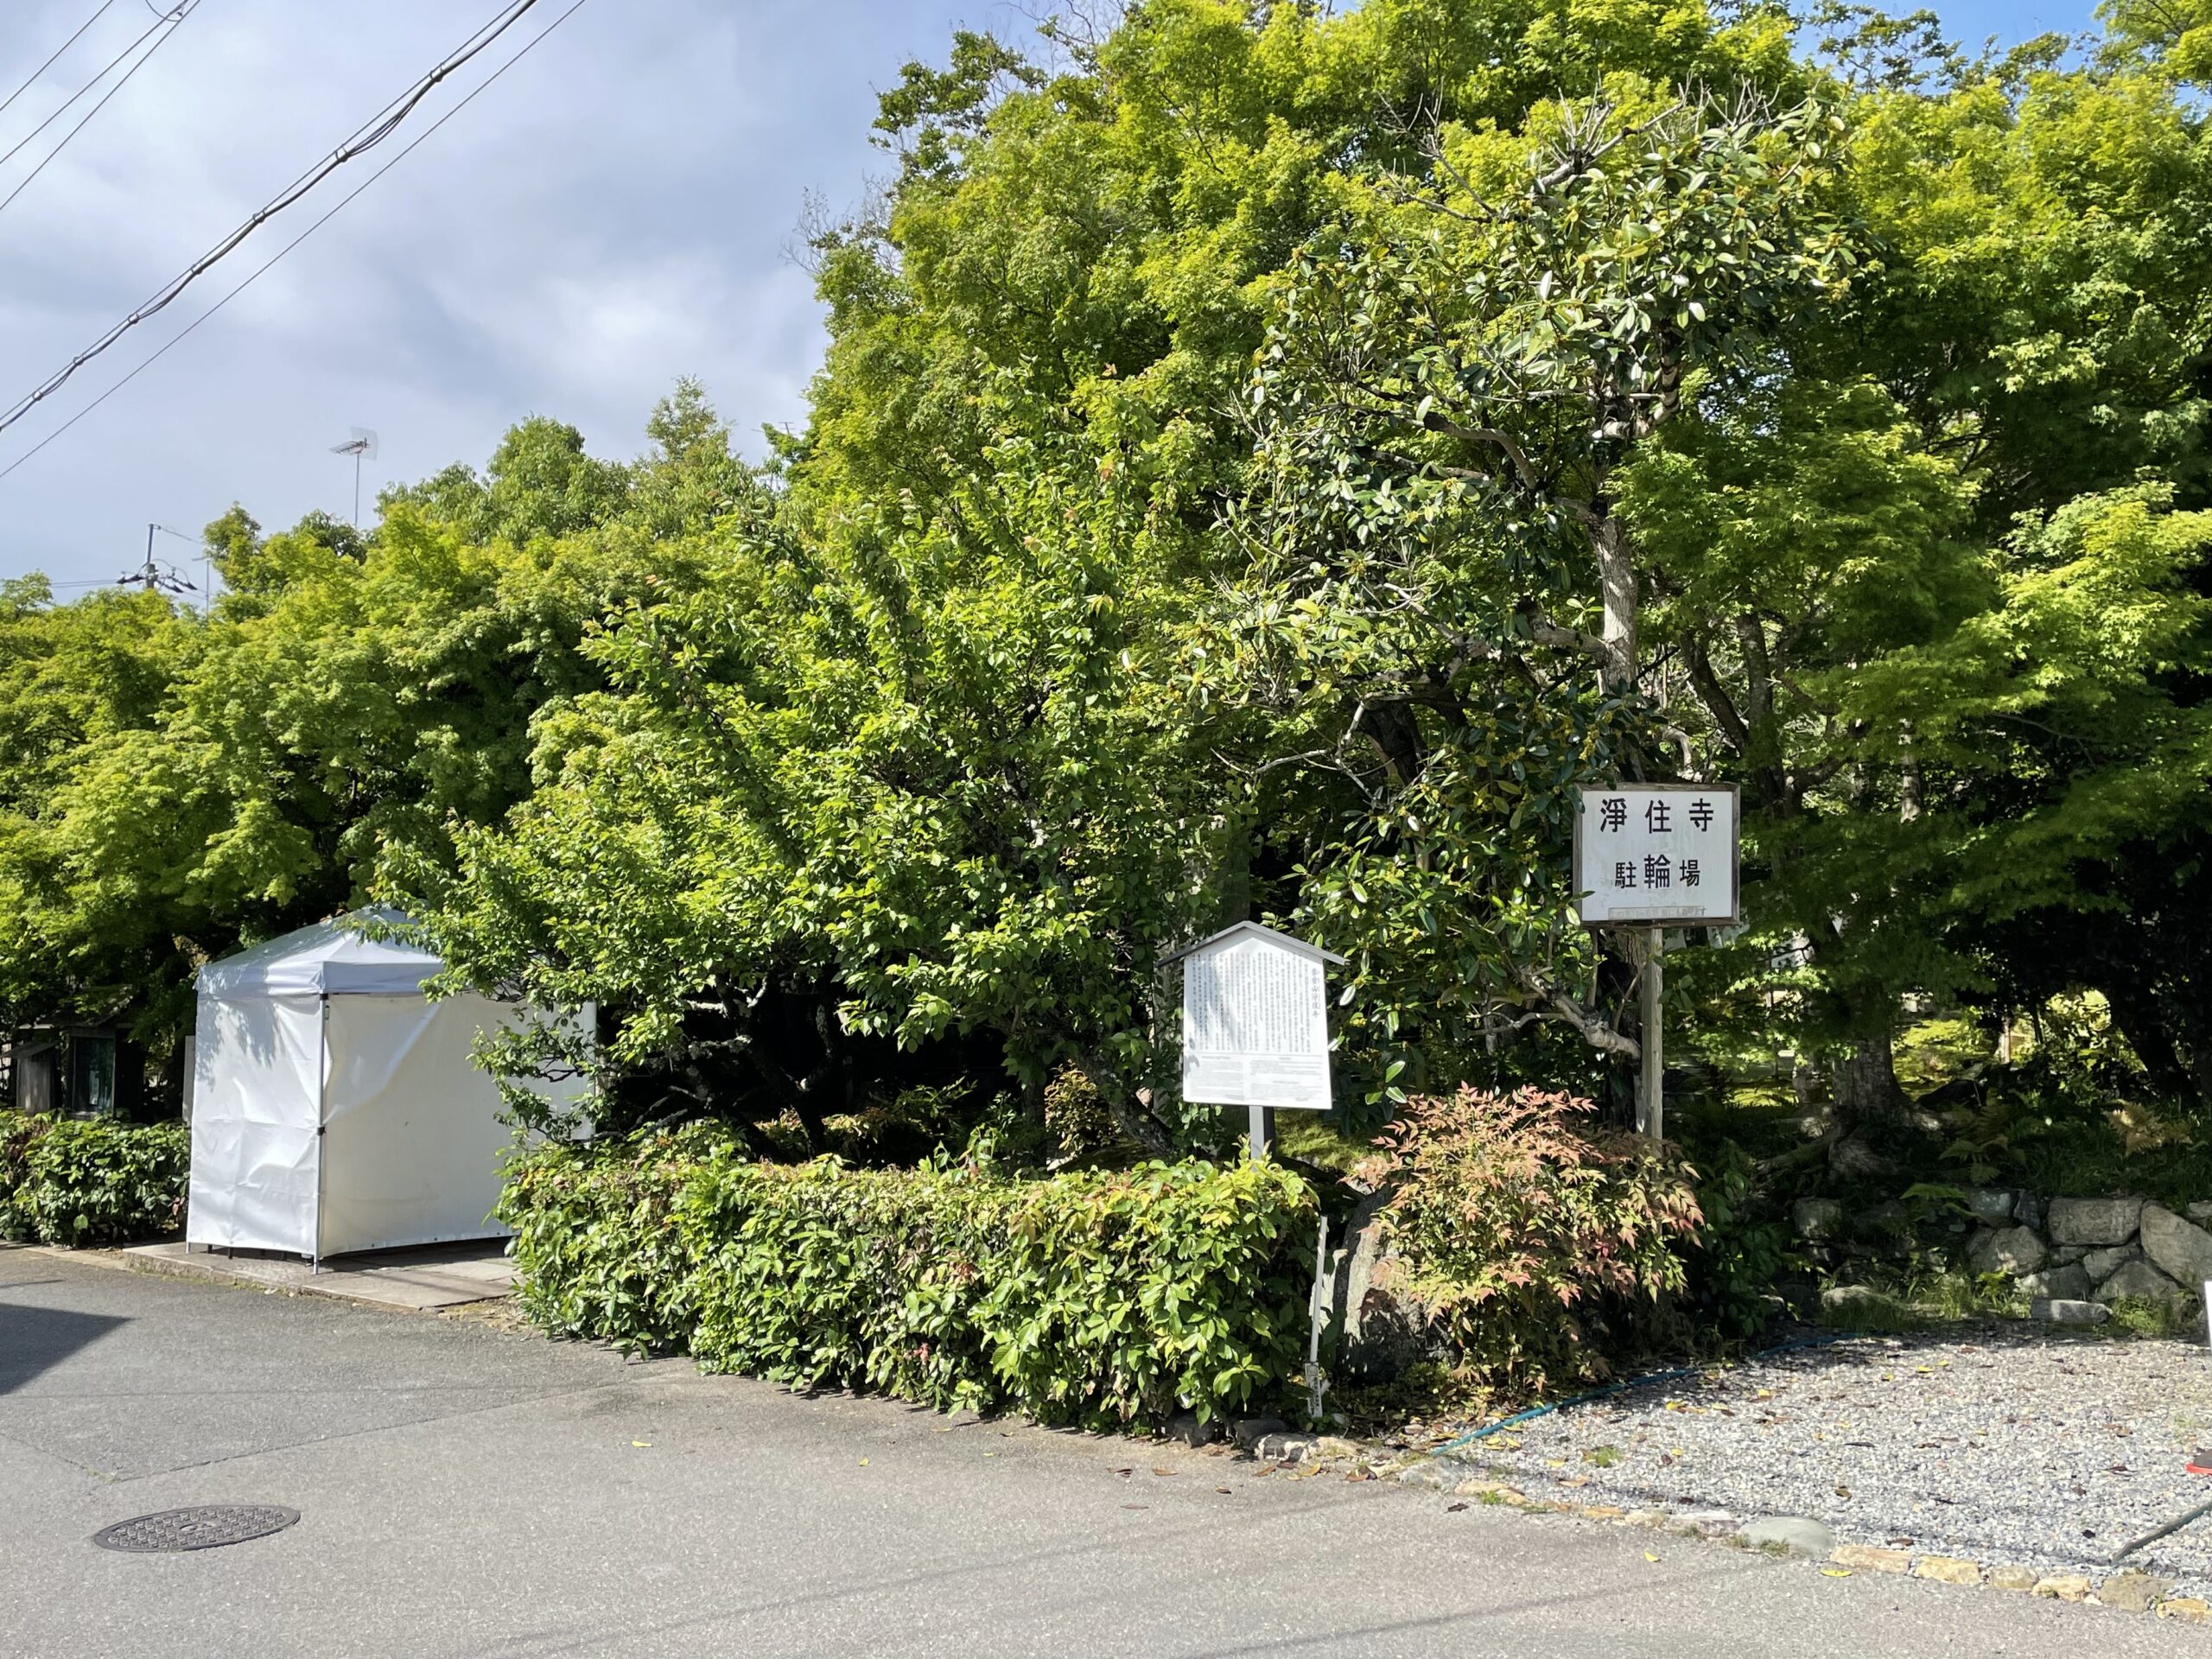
1255, 1024
1656, 853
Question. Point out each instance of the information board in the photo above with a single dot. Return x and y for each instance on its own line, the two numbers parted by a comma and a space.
1255, 1024
1656, 853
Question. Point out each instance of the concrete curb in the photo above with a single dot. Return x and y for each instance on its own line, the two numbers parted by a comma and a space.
2121, 1588
357, 1289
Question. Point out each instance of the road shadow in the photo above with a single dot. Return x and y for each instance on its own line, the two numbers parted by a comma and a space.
34, 1340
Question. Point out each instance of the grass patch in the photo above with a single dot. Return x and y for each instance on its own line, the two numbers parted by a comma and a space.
2164, 1321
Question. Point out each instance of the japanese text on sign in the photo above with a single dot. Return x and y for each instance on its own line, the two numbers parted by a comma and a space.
1647, 853
1255, 1027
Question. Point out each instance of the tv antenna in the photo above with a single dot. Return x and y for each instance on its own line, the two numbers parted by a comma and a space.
155, 577
362, 444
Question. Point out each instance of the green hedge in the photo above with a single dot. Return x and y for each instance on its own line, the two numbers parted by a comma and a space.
1098, 1299
90, 1181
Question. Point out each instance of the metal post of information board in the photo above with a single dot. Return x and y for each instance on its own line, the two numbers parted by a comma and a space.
1262, 1131
1651, 1114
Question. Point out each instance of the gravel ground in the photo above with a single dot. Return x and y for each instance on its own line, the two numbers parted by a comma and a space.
2038, 1450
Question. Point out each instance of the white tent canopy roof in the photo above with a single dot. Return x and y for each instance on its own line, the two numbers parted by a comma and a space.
328, 959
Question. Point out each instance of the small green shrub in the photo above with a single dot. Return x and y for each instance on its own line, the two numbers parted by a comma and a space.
1098, 1298
596, 1249
90, 1181
2164, 1317
1740, 1252
1536, 1243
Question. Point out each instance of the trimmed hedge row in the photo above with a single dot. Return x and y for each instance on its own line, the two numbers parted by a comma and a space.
90, 1181
1095, 1299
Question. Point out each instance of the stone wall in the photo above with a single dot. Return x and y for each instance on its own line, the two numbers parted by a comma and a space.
2070, 1257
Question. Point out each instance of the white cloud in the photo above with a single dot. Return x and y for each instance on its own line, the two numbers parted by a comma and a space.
611, 215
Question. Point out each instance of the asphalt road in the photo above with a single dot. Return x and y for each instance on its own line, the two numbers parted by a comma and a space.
467, 1491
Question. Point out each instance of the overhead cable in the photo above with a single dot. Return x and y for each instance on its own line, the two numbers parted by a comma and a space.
175, 20
31, 79
379, 127
336, 207
166, 20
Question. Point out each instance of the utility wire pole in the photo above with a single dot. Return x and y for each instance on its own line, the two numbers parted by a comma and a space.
153, 576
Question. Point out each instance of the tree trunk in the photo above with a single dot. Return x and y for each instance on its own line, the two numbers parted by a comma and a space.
1865, 1084
1617, 583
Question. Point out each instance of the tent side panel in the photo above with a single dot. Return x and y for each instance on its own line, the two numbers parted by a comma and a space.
412, 1152
257, 1079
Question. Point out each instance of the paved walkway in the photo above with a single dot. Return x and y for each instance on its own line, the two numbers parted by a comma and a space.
466, 1490
431, 1276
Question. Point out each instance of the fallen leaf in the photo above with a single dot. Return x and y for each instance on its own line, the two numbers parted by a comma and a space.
1835, 1571
1163, 1472
644, 1443
1125, 1473
1649, 1556
1454, 1508
1224, 1492
863, 1463
1843, 1491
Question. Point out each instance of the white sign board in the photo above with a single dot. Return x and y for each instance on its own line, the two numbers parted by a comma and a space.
1255, 1021
1656, 853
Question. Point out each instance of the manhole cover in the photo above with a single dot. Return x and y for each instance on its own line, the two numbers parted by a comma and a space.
205, 1527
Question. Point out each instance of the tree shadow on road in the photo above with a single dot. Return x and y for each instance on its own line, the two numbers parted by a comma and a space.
34, 1340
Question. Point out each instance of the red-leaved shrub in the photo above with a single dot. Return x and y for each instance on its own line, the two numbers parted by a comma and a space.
1532, 1241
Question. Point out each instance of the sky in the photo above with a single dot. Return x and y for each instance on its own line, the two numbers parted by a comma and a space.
615, 211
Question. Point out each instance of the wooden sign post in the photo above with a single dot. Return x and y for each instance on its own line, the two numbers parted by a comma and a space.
1652, 855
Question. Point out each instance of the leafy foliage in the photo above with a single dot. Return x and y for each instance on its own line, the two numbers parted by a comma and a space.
90, 1181
1740, 1251
1102, 1300
1539, 1249
173, 785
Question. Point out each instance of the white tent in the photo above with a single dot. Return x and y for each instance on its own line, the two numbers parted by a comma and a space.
334, 1107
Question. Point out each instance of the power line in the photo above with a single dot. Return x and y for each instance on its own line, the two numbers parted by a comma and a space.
176, 21
379, 128
336, 208
32, 79
165, 18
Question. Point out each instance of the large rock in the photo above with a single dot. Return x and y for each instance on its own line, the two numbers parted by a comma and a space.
1185, 1426
2094, 1221
1990, 1203
2065, 1312
2007, 1249
1794, 1534
1249, 1432
1384, 1331
2140, 1281
1853, 1160
2061, 1284
2200, 1212
2181, 1249
1817, 1220
1863, 1305
2102, 1264
2028, 1209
